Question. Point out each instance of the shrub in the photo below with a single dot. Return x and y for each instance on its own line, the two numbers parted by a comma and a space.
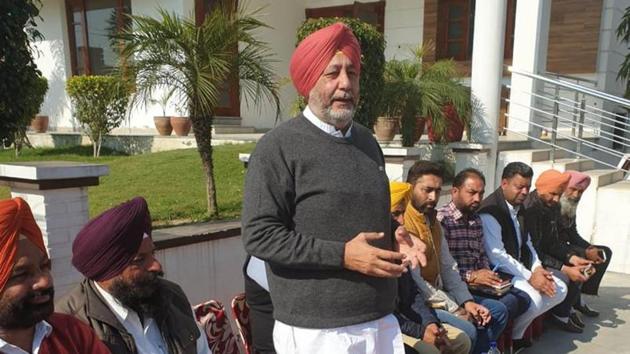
372, 62
100, 104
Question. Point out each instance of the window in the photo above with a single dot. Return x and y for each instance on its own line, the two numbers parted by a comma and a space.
229, 102
372, 12
91, 23
455, 29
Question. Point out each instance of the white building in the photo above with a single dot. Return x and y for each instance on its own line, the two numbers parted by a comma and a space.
573, 37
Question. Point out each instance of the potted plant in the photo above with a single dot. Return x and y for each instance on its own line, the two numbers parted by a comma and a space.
432, 93
39, 123
181, 125
163, 122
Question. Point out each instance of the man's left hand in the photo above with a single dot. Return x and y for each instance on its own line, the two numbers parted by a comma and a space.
479, 313
593, 254
579, 261
412, 247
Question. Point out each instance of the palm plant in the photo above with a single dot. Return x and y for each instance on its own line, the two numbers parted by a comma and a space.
196, 62
623, 34
414, 87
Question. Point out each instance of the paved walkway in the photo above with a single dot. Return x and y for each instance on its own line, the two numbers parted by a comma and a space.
609, 333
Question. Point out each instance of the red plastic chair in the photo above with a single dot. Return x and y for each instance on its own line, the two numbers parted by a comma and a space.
240, 311
212, 318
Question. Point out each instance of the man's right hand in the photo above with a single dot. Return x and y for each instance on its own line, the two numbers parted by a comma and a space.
575, 273
485, 277
542, 281
364, 258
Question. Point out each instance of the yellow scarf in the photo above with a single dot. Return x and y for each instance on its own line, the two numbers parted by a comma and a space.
416, 224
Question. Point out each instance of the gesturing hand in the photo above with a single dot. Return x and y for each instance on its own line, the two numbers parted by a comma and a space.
412, 247
364, 258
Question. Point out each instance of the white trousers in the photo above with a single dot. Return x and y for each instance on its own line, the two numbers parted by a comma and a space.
540, 303
380, 336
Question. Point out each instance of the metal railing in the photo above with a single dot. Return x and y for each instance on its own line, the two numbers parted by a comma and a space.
590, 123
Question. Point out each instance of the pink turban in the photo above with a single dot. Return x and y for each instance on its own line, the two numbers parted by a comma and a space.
109, 242
314, 53
552, 181
579, 180
16, 219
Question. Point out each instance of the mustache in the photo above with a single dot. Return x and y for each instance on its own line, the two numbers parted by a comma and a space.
45, 292
344, 96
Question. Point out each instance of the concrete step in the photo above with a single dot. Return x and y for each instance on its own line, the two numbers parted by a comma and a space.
232, 129
587, 209
612, 224
527, 156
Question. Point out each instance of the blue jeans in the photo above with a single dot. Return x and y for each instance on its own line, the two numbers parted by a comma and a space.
480, 337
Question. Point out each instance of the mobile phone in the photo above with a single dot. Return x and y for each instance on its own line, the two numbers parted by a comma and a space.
588, 271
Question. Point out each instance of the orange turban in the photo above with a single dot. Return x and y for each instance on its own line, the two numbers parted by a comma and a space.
16, 219
552, 181
579, 180
314, 53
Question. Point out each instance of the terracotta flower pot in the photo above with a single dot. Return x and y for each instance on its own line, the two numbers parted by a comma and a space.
163, 125
181, 125
385, 128
40, 124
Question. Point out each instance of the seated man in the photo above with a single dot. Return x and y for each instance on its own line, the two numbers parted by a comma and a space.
509, 246
542, 212
464, 233
567, 230
439, 280
123, 298
421, 328
27, 321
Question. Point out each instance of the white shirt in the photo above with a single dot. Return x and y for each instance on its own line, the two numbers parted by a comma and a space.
147, 337
42, 330
256, 267
493, 244
327, 128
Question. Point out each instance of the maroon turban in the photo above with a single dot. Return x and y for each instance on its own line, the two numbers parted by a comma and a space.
579, 180
314, 53
108, 243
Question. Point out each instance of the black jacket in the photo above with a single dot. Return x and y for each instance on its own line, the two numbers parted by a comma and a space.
567, 231
542, 224
496, 206
412, 313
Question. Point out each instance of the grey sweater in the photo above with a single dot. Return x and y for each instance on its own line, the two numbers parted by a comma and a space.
306, 194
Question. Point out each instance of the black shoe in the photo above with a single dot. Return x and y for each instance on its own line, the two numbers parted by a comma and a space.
518, 345
576, 319
586, 311
568, 326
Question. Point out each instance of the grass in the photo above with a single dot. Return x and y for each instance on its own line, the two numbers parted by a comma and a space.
172, 182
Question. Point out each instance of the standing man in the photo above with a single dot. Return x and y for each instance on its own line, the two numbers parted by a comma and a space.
316, 210
509, 246
599, 255
464, 233
542, 215
123, 297
27, 321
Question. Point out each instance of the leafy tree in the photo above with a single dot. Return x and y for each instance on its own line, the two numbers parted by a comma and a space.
173, 53
21, 89
623, 34
100, 104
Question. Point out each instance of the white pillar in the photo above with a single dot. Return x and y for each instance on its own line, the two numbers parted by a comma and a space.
531, 34
57, 194
487, 70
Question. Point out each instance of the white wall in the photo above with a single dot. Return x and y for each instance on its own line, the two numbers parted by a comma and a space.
403, 27
50, 56
206, 270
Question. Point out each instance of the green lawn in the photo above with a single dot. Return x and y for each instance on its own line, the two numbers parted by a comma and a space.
172, 182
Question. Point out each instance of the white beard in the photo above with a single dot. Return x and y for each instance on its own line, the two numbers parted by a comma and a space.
568, 207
